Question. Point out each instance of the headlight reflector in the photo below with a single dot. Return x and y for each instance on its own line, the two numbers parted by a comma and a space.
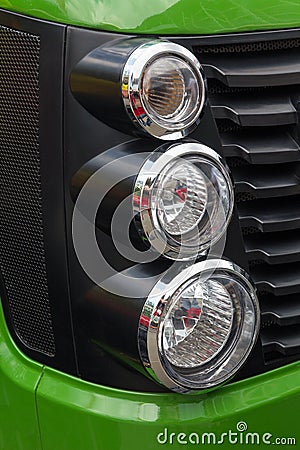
202, 325
170, 91
181, 197
201, 314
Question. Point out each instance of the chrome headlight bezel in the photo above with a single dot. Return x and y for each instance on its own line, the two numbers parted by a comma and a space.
131, 80
149, 337
146, 218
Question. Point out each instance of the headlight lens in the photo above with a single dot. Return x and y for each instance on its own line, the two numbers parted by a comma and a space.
185, 200
202, 325
170, 91
181, 197
163, 89
201, 314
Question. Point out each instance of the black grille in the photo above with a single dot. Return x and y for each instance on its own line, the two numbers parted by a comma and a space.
22, 254
246, 47
254, 91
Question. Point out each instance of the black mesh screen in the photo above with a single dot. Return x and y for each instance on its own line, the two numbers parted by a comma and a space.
245, 47
217, 87
22, 254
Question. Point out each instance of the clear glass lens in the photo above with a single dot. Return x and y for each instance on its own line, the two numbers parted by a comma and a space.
164, 87
198, 324
170, 92
182, 198
191, 203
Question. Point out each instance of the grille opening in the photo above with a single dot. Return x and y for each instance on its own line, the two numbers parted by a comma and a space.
250, 230
234, 130
236, 162
226, 125
255, 262
268, 323
248, 94
244, 197
248, 47
263, 293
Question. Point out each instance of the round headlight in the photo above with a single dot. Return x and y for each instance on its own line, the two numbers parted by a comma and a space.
183, 200
201, 325
163, 89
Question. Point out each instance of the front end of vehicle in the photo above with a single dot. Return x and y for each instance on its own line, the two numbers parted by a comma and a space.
150, 216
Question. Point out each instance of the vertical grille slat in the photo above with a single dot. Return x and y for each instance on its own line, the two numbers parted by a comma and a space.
254, 90
22, 253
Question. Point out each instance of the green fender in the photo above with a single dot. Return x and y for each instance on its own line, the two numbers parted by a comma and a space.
165, 16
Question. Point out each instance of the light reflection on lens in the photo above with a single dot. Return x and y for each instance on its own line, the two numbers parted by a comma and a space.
198, 324
182, 197
170, 90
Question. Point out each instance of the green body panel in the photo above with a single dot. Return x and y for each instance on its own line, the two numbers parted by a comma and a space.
19, 378
165, 16
81, 416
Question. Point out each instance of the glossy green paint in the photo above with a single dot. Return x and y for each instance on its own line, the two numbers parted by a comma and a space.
75, 415
19, 378
81, 416
165, 16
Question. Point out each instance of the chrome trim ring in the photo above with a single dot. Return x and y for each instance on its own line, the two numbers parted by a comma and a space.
172, 246
149, 331
131, 80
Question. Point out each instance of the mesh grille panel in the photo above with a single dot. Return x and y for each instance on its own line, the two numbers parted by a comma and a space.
22, 254
217, 87
244, 197
245, 47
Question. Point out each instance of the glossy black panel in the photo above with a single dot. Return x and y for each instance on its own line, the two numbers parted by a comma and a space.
96, 82
86, 140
